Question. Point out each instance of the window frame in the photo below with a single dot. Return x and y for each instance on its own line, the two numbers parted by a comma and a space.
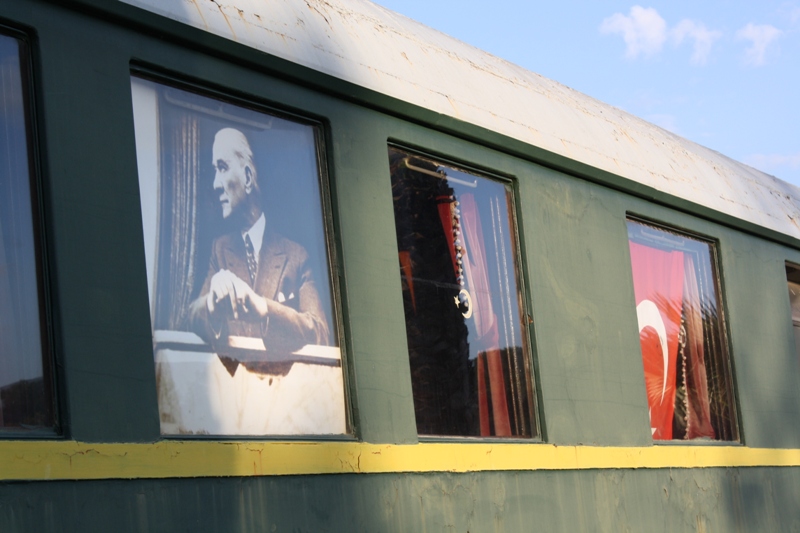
724, 332
320, 124
795, 325
36, 160
527, 322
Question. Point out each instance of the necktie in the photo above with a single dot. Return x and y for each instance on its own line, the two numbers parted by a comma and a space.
252, 266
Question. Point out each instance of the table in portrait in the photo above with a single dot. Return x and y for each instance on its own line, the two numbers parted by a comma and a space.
301, 394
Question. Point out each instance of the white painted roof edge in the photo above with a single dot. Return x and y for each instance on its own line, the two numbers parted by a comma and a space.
365, 44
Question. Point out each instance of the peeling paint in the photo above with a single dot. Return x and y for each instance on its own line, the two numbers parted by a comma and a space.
200, 14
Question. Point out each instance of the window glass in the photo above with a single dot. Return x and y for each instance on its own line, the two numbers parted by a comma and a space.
682, 335
244, 333
458, 263
793, 280
25, 381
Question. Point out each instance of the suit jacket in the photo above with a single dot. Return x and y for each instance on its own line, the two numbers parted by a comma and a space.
296, 316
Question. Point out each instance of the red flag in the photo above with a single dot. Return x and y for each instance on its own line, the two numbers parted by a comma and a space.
658, 286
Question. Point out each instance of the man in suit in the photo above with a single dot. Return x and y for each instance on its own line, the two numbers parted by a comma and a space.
259, 283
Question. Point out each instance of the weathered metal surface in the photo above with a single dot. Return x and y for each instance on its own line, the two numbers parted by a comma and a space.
368, 45
668, 501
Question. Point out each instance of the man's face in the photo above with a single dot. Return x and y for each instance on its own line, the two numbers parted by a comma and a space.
230, 178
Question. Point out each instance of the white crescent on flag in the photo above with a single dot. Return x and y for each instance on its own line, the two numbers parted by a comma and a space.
648, 315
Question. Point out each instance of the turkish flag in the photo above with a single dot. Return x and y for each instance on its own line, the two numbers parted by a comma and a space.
658, 277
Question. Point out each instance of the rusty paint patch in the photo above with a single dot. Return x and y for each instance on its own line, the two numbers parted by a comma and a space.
228, 22
200, 13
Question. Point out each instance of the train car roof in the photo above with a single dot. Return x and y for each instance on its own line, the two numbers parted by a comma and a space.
368, 45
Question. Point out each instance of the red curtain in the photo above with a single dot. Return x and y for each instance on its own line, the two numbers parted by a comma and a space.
492, 403
658, 282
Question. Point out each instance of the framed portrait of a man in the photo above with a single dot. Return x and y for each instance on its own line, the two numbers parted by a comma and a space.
241, 298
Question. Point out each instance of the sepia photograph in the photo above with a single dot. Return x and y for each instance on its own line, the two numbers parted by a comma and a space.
241, 301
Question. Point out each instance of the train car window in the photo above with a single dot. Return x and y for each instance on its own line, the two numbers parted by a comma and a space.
26, 393
459, 267
682, 334
793, 280
245, 341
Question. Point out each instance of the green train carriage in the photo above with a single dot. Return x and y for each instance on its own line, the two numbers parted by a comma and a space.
479, 301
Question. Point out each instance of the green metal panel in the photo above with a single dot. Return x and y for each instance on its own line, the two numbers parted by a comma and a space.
767, 369
668, 501
369, 256
95, 229
591, 369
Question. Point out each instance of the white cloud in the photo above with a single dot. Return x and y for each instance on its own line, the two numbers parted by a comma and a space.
770, 162
643, 30
702, 36
761, 36
790, 11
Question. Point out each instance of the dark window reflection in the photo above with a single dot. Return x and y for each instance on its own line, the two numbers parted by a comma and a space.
458, 265
25, 392
682, 335
793, 280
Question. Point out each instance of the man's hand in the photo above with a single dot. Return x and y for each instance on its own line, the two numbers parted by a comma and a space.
225, 285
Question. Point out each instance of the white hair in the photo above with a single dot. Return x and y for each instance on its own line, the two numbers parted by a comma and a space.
241, 149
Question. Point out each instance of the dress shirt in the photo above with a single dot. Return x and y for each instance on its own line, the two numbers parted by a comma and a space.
256, 233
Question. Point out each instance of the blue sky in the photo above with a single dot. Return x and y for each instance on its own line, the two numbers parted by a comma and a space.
725, 74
